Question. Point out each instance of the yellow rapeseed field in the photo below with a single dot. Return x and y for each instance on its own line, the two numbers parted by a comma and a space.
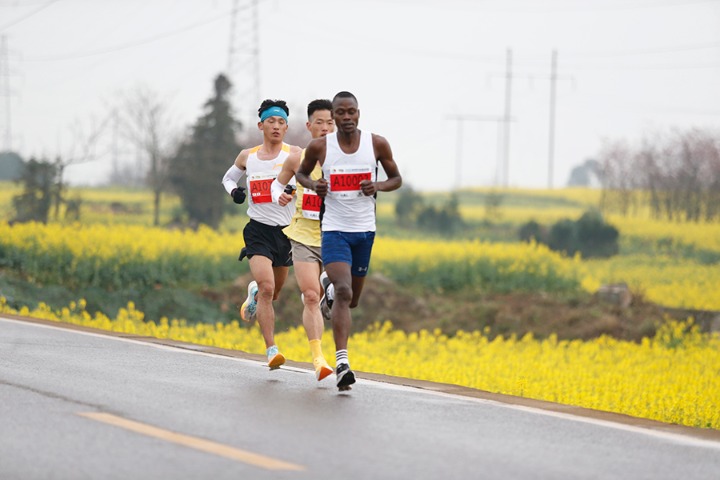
119, 256
673, 377
131, 255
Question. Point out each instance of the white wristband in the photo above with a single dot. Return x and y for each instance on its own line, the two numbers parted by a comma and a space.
276, 189
232, 177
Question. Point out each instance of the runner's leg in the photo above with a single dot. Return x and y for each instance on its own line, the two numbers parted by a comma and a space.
263, 272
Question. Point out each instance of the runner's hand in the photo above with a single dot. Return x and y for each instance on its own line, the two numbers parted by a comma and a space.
368, 188
321, 187
284, 199
238, 195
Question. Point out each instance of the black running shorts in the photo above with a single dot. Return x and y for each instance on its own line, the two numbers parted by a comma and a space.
267, 241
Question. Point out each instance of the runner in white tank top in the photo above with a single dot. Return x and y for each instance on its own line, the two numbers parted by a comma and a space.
267, 247
348, 159
260, 175
347, 209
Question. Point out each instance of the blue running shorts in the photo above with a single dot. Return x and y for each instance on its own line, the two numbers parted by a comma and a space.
353, 248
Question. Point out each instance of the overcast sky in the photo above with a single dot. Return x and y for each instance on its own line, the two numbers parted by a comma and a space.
626, 69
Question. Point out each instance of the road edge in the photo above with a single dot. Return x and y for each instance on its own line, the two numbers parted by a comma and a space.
582, 412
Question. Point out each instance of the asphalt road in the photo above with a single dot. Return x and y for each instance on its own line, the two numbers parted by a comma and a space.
76, 404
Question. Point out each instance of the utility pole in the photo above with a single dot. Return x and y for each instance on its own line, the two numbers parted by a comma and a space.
551, 141
231, 42
114, 147
458, 154
509, 76
508, 97
243, 65
5, 92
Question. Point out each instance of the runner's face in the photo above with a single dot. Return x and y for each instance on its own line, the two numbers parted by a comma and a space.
321, 123
273, 128
346, 114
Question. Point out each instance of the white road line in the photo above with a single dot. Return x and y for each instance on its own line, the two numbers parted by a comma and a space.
670, 436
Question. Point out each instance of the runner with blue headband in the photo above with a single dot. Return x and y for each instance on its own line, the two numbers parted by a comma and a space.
273, 112
266, 245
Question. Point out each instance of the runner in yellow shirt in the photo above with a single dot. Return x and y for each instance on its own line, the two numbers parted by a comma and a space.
304, 235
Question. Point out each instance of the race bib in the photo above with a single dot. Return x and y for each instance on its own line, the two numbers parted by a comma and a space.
259, 186
311, 204
345, 181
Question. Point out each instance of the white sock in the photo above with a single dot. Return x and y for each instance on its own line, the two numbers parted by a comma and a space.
341, 356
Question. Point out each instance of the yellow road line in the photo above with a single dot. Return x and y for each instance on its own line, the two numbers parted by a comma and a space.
194, 442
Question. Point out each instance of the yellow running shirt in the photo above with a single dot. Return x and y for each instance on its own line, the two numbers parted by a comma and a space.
305, 224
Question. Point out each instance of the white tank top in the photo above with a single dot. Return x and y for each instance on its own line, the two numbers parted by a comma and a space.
346, 208
260, 174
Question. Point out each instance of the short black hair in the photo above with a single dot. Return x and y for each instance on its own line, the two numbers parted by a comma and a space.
273, 103
344, 94
319, 104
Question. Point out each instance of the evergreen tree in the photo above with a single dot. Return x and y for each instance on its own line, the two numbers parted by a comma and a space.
11, 166
197, 169
408, 207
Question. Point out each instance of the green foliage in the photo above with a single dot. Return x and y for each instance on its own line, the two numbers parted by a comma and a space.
493, 202
11, 166
445, 219
154, 302
39, 179
408, 207
596, 238
562, 237
202, 160
532, 230
72, 209
589, 235
484, 274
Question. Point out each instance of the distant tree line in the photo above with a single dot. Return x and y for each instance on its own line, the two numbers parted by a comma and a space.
190, 165
589, 235
412, 211
677, 176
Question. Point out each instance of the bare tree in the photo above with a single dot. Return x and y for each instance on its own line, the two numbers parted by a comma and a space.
85, 139
618, 172
651, 180
712, 202
146, 122
678, 175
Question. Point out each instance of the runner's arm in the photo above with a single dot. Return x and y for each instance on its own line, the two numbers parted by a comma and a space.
235, 173
314, 153
384, 156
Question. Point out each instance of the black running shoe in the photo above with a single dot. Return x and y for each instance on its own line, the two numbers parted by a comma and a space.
325, 302
345, 376
325, 282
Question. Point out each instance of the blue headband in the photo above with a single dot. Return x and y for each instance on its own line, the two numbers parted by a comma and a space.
273, 112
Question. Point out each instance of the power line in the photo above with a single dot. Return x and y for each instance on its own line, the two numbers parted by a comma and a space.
650, 50
115, 48
497, 60
18, 20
